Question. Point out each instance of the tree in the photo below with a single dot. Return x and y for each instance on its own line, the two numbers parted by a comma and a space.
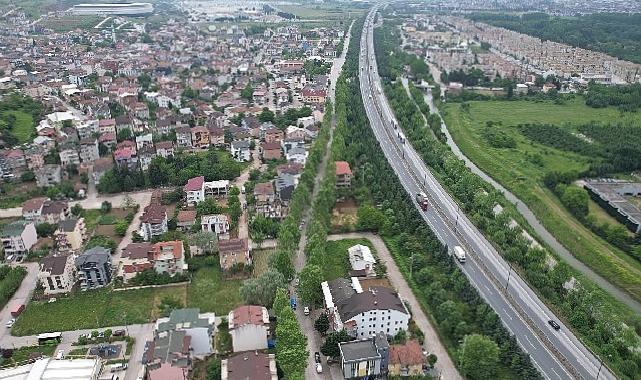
107, 333
266, 115
330, 347
121, 228
576, 200
105, 207
291, 351
45, 229
128, 202
309, 288
77, 210
479, 357
370, 218
262, 289
281, 301
213, 368
322, 324
124, 134
206, 241
208, 207
247, 92
431, 360
28, 176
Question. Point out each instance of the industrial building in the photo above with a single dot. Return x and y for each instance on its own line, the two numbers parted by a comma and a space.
116, 9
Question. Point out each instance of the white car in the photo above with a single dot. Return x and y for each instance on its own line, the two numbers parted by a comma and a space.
60, 355
319, 368
11, 322
306, 310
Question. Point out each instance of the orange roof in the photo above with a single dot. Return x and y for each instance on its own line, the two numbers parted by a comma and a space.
176, 247
409, 353
342, 168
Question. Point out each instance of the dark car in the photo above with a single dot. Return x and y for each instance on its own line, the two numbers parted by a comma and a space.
554, 325
317, 357
119, 333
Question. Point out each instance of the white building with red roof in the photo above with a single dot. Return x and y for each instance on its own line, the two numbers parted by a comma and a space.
249, 328
195, 190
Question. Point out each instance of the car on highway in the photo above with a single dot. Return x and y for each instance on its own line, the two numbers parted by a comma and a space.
319, 368
317, 357
554, 325
306, 310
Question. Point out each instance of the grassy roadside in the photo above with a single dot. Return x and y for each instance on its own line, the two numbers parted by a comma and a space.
513, 169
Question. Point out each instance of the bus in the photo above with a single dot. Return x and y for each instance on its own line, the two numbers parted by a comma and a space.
50, 338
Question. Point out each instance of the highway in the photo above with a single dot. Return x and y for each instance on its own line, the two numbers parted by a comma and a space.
556, 354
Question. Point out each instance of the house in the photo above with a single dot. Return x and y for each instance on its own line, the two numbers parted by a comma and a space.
165, 149
183, 137
71, 234
295, 133
249, 328
266, 202
297, 154
144, 141
165, 371
100, 167
218, 223
270, 151
107, 126
153, 221
126, 156
361, 259
89, 150
240, 151
363, 358
364, 313
343, 174
169, 257
53, 212
108, 139
285, 185
406, 359
94, 268
274, 135
314, 94
32, 208
48, 175
18, 237
200, 137
69, 155
135, 258
195, 190
233, 252
199, 327
216, 136
185, 219
145, 155
249, 365
216, 189
57, 274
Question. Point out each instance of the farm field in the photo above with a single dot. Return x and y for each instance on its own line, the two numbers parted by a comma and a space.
521, 171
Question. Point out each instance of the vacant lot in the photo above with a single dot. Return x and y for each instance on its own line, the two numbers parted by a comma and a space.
23, 129
521, 169
209, 291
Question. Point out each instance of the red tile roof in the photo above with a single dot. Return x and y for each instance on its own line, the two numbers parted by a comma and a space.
194, 184
342, 168
409, 353
247, 314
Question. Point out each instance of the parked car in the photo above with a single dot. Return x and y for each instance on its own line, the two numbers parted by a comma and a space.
317, 357
119, 333
554, 325
319, 368
60, 355
306, 310
11, 322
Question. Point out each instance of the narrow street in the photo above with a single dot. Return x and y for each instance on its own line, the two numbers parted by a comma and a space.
314, 339
22, 295
243, 223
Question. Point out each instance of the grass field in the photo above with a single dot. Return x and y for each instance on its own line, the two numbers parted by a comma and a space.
319, 12
520, 170
23, 129
336, 258
210, 292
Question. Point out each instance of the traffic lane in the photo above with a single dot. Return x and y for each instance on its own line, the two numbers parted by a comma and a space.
450, 239
488, 293
569, 346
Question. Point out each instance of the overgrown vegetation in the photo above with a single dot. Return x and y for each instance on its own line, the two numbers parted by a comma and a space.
19, 115
10, 280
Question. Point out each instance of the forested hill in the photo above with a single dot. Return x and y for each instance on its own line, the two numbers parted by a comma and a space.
618, 35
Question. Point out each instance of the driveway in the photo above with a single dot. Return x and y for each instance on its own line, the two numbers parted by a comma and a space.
432, 342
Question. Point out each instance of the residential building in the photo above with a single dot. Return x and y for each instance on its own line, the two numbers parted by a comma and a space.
165, 371
169, 257
71, 234
249, 328
361, 359
165, 149
100, 167
195, 190
218, 223
48, 175
406, 359
297, 154
53, 212
216, 189
274, 135
200, 137
249, 365
94, 268
107, 126
126, 156
361, 259
200, 327
32, 208
69, 155
285, 185
364, 313
240, 151
185, 219
270, 151
135, 258
233, 252
183, 137
216, 136
314, 94
57, 273
343, 174
89, 150
266, 202
18, 237
153, 221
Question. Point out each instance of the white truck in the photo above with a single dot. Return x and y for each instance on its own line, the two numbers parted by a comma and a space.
459, 253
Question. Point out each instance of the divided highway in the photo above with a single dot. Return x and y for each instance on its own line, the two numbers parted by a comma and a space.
557, 354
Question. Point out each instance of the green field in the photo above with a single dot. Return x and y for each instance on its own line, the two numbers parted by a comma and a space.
320, 12
23, 129
336, 257
521, 169
103, 308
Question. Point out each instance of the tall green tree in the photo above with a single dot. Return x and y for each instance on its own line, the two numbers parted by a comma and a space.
309, 288
479, 357
262, 289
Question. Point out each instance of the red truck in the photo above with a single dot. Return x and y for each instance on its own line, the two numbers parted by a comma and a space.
421, 199
16, 309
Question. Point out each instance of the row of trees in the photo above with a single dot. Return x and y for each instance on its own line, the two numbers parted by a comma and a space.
626, 98
607, 332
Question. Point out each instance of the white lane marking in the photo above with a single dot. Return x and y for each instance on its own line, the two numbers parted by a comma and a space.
506, 313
